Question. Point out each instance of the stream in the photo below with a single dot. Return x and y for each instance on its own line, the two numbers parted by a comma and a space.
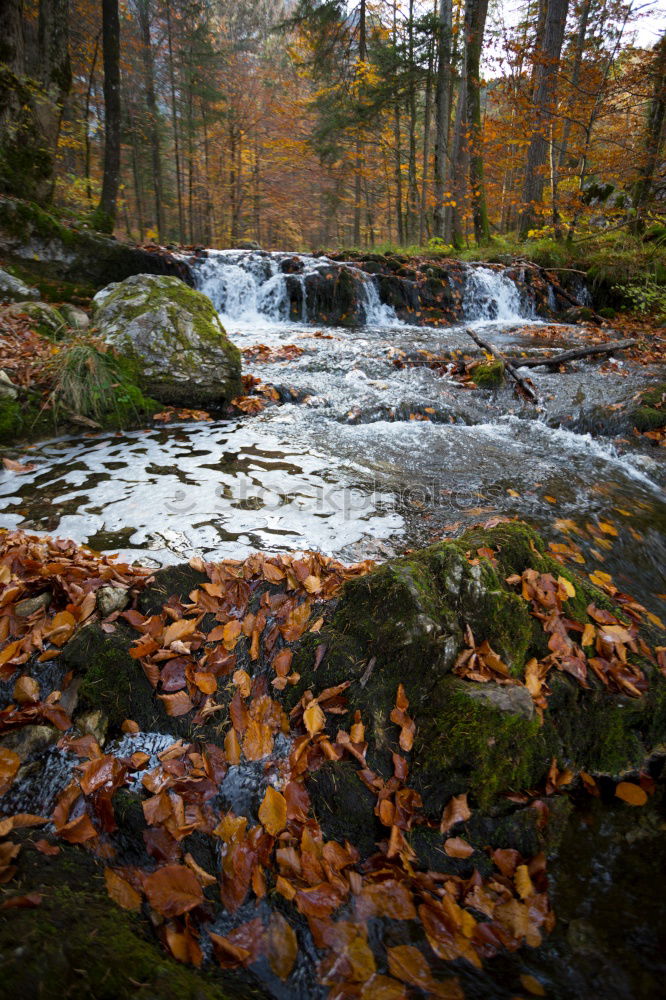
362, 458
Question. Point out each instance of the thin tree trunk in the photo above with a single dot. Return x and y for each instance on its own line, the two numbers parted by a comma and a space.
427, 115
544, 100
476, 12
443, 113
358, 165
412, 189
86, 118
174, 120
143, 8
654, 137
105, 213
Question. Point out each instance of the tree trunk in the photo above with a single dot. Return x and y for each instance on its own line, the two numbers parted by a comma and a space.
427, 115
143, 9
654, 138
86, 118
174, 121
544, 100
358, 165
476, 12
412, 186
443, 112
105, 214
454, 224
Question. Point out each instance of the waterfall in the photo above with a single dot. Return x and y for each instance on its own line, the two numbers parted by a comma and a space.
492, 295
250, 287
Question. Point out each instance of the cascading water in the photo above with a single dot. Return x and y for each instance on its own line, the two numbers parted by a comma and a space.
248, 287
491, 295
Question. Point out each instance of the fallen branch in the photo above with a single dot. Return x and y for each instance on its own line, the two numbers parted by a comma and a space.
509, 367
579, 352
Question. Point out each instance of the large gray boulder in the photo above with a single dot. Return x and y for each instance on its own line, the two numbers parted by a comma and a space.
173, 335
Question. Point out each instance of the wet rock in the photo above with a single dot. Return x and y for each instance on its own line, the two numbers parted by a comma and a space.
30, 740
513, 699
30, 605
14, 290
175, 338
247, 245
96, 723
111, 599
404, 624
75, 318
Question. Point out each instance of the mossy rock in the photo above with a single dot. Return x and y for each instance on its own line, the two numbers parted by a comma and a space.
650, 413
404, 624
488, 374
44, 319
175, 338
78, 944
35, 239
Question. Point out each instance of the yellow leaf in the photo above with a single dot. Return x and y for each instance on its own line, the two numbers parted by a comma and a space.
568, 587
314, 718
273, 811
532, 985
120, 891
523, 882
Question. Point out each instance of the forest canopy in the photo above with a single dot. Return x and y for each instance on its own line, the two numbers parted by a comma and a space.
391, 123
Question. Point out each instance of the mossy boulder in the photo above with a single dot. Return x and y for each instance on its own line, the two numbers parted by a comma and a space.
46, 320
175, 338
404, 624
14, 290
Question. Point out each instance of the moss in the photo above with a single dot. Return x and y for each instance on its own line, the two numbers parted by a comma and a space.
344, 807
79, 944
650, 414
607, 312
467, 746
488, 374
10, 419
51, 289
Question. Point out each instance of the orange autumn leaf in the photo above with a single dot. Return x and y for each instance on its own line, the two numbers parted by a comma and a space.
120, 891
273, 811
630, 793
179, 630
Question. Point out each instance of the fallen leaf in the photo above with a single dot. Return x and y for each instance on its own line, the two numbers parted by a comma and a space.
172, 890
120, 891
273, 811
630, 793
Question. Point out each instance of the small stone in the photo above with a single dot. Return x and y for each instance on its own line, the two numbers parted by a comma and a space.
110, 599
95, 722
7, 388
512, 698
46, 319
76, 318
29, 605
30, 740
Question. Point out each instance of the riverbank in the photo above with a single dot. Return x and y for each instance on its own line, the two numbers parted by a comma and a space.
299, 735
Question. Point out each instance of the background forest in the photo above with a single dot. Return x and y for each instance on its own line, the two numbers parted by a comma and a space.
390, 123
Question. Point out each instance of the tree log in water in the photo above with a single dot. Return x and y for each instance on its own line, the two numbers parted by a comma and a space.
509, 367
573, 355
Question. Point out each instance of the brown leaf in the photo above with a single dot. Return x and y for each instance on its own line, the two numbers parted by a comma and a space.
176, 704
456, 847
456, 811
173, 890
9, 765
282, 946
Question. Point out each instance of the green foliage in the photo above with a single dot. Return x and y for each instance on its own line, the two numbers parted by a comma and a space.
646, 297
